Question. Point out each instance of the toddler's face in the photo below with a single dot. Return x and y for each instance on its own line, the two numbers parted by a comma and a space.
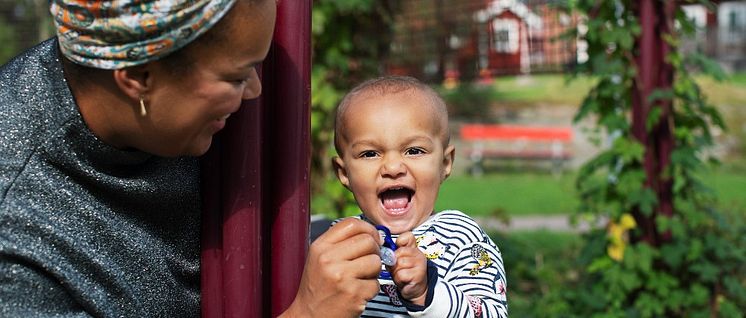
393, 158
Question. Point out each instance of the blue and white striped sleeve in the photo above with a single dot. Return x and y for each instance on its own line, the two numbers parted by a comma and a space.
474, 284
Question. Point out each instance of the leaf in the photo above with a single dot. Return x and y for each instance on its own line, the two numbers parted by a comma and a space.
706, 65
653, 117
588, 106
695, 249
660, 94
706, 271
698, 294
673, 254
600, 264
629, 149
645, 199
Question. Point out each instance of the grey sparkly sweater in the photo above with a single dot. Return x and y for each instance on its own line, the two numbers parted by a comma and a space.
87, 229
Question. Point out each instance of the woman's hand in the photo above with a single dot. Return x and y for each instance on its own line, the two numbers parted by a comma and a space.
410, 271
341, 272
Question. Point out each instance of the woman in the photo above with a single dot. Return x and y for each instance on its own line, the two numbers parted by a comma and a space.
99, 209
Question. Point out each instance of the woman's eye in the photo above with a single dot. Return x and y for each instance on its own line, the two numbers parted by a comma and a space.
414, 151
368, 154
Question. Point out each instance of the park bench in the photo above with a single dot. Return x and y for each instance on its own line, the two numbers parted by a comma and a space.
516, 143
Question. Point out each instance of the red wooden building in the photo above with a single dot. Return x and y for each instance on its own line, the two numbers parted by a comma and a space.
474, 38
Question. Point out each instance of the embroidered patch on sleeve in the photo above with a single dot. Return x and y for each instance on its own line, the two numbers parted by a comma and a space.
476, 305
500, 287
390, 290
483, 259
430, 246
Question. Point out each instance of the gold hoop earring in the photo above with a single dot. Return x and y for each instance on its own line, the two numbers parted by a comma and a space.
143, 111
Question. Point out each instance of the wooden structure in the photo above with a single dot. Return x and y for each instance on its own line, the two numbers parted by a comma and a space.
256, 187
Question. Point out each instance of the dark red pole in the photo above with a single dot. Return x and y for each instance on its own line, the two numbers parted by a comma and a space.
663, 130
653, 72
243, 234
211, 268
290, 90
256, 188
233, 235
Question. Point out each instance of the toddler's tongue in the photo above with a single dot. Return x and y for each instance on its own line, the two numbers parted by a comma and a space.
395, 199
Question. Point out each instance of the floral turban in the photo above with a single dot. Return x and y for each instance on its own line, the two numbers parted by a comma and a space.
115, 34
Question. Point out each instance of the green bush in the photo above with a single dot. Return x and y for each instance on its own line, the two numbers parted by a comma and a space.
470, 101
541, 269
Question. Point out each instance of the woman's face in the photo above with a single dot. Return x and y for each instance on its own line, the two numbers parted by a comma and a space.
185, 109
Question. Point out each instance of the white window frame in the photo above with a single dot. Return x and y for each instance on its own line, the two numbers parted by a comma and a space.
509, 27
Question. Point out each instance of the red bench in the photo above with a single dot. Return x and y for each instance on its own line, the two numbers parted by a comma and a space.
513, 142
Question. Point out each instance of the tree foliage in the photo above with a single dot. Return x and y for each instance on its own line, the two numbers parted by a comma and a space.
23, 24
350, 39
8, 49
696, 266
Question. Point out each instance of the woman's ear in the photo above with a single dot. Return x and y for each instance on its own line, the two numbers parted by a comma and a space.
133, 81
448, 156
341, 171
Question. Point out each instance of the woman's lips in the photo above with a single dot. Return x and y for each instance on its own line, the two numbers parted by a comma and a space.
219, 124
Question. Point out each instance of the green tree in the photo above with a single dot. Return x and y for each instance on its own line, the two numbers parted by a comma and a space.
350, 39
667, 250
23, 24
9, 47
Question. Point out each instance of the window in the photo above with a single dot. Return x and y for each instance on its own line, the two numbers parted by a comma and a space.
505, 35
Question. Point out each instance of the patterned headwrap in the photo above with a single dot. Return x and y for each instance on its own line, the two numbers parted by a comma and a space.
115, 34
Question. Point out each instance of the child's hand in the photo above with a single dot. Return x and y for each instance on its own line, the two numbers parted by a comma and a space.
410, 271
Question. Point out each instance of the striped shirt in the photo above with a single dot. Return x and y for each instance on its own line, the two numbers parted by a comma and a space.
471, 278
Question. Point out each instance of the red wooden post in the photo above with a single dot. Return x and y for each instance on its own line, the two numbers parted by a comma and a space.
653, 72
256, 187
289, 88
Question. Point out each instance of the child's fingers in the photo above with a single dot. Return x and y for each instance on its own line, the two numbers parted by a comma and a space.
403, 275
407, 251
405, 258
406, 239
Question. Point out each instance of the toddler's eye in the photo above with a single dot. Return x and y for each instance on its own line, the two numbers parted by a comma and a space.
414, 151
368, 154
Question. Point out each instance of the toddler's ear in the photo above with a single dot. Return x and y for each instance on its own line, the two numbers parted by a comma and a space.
448, 156
341, 171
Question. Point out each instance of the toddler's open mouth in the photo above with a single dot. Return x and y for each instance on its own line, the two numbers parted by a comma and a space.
396, 200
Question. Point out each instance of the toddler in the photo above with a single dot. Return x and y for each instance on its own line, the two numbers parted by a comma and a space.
392, 139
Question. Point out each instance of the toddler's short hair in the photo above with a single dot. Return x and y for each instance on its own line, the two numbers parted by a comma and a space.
389, 85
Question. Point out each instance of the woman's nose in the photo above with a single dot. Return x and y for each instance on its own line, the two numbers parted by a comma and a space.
253, 87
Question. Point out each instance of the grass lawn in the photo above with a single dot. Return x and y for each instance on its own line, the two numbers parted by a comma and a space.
545, 89
556, 89
534, 193
728, 184
511, 193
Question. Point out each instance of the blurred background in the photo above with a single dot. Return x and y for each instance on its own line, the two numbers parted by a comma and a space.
505, 68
